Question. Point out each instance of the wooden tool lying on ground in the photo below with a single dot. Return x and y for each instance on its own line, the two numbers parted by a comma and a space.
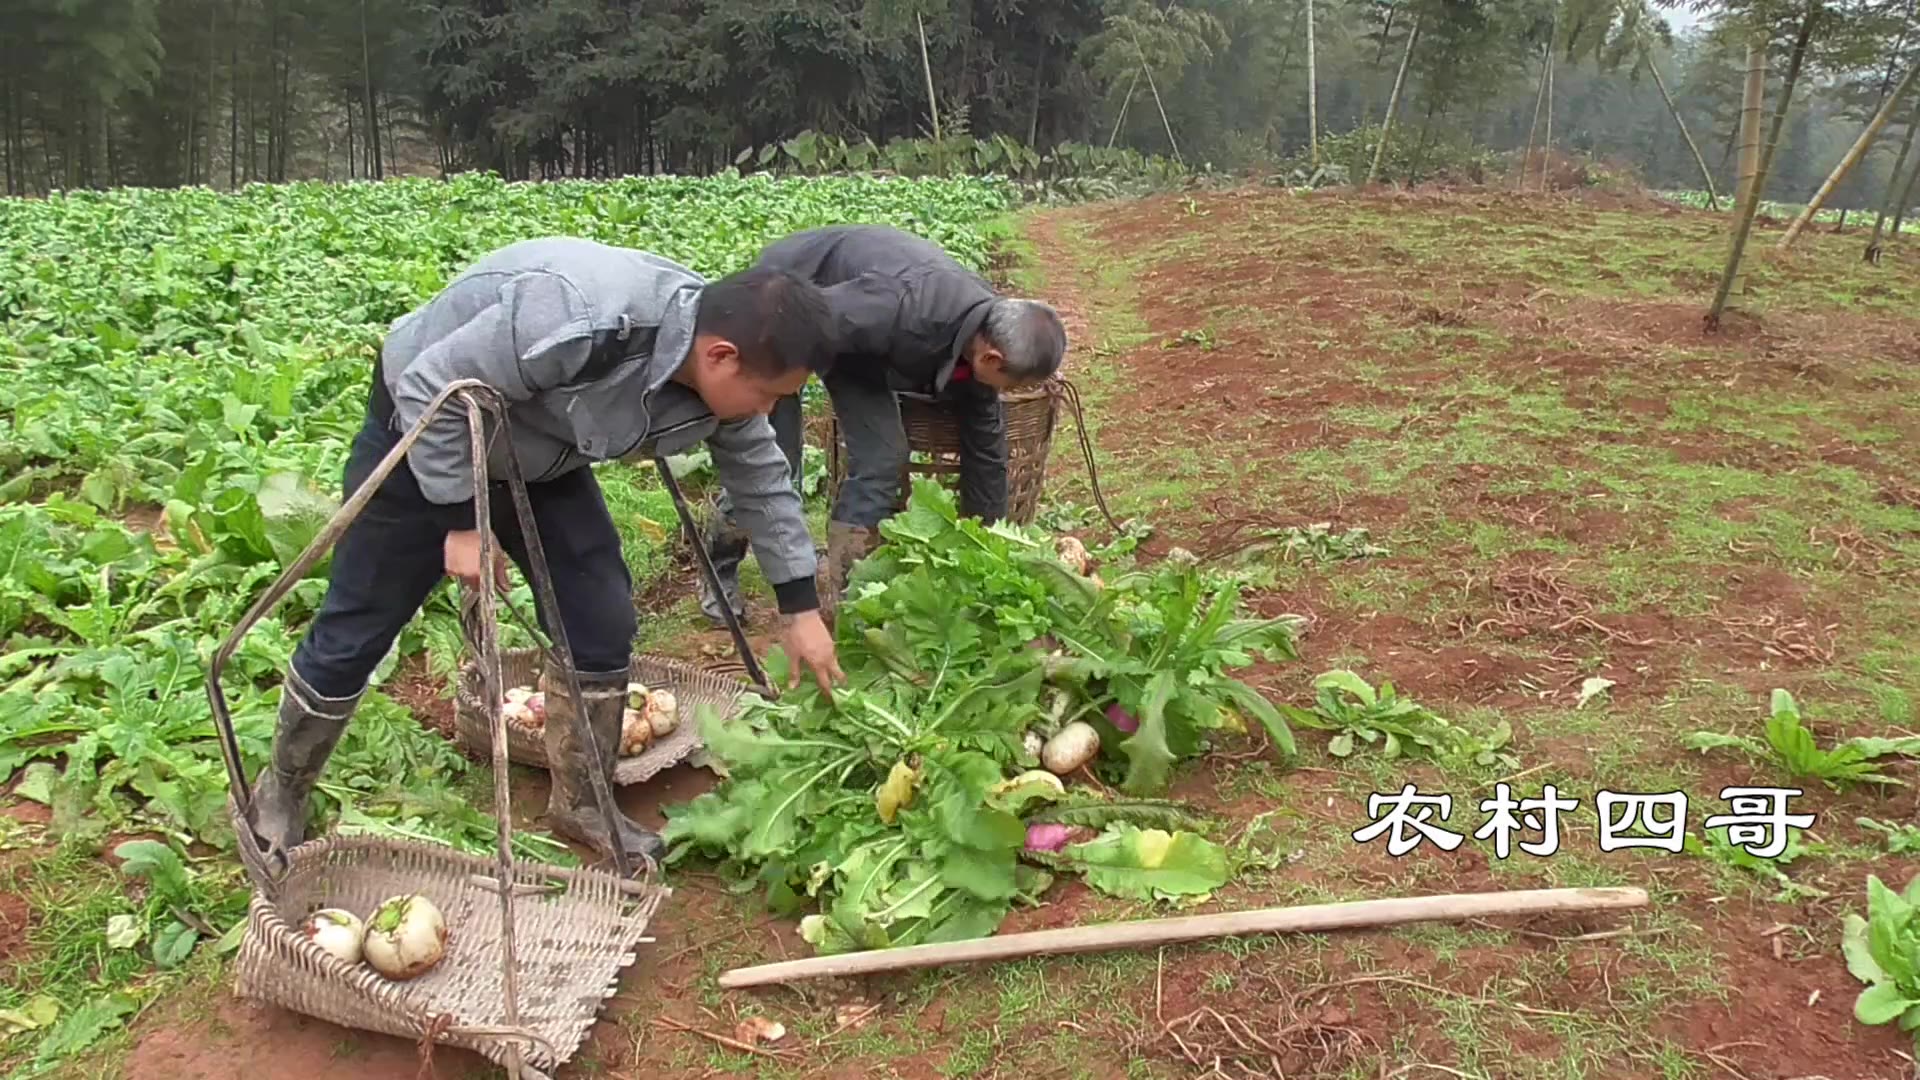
1151, 932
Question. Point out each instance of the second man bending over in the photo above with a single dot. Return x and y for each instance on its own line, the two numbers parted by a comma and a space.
909, 320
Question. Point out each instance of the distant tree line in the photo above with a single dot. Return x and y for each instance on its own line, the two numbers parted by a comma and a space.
224, 92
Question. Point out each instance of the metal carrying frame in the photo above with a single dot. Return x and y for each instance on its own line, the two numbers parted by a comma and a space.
278, 964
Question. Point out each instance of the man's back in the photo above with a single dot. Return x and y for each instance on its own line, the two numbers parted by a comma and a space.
835, 254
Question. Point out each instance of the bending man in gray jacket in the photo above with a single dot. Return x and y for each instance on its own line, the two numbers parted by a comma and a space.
600, 353
909, 319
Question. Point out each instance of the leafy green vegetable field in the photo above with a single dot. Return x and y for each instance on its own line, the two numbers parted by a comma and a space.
181, 373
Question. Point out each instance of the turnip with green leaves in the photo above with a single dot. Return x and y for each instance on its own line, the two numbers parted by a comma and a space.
406, 937
974, 654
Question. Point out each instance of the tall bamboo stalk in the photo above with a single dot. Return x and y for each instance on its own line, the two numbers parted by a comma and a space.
1752, 105
1393, 101
933, 105
1894, 186
374, 165
1155, 88
1313, 96
1533, 130
1854, 154
1900, 209
1706, 174
1746, 196
1124, 102
1729, 278
1546, 147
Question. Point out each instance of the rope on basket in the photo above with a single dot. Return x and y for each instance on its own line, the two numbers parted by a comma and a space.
1071, 393
442, 1026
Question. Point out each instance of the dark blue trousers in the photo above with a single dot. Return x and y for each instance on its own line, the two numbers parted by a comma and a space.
388, 562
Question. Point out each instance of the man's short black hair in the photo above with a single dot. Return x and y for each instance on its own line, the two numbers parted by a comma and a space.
779, 321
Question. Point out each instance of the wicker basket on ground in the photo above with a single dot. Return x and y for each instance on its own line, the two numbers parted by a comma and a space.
932, 431
574, 930
691, 686
533, 950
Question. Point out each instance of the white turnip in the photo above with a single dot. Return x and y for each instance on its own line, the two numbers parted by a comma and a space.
663, 713
1034, 742
406, 937
525, 707
338, 932
1074, 746
635, 732
759, 1029
1074, 554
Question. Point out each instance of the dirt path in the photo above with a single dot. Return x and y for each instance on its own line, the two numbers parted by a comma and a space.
1282, 379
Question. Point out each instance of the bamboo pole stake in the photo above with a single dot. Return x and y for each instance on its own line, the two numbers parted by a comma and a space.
1153, 932
1151, 85
1732, 279
1533, 131
1746, 198
1858, 151
1893, 188
1706, 174
933, 104
1546, 144
1124, 102
1393, 103
1313, 95
1900, 210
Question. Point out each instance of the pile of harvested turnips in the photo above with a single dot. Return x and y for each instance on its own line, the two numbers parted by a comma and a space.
650, 714
404, 939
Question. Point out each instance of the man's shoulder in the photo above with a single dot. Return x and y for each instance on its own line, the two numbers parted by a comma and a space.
942, 283
598, 282
855, 248
578, 256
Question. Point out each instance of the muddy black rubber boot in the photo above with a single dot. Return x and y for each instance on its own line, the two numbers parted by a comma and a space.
727, 547
572, 810
309, 727
846, 545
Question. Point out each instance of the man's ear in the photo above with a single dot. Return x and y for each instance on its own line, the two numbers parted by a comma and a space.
991, 359
720, 356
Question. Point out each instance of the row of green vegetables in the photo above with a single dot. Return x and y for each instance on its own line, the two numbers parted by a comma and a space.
181, 375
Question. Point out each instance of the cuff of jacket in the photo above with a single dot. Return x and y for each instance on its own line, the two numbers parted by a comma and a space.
795, 597
455, 517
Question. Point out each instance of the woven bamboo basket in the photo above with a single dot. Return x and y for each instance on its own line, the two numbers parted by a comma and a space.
691, 686
1031, 415
574, 931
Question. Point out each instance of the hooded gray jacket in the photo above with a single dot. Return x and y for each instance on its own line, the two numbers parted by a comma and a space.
581, 339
